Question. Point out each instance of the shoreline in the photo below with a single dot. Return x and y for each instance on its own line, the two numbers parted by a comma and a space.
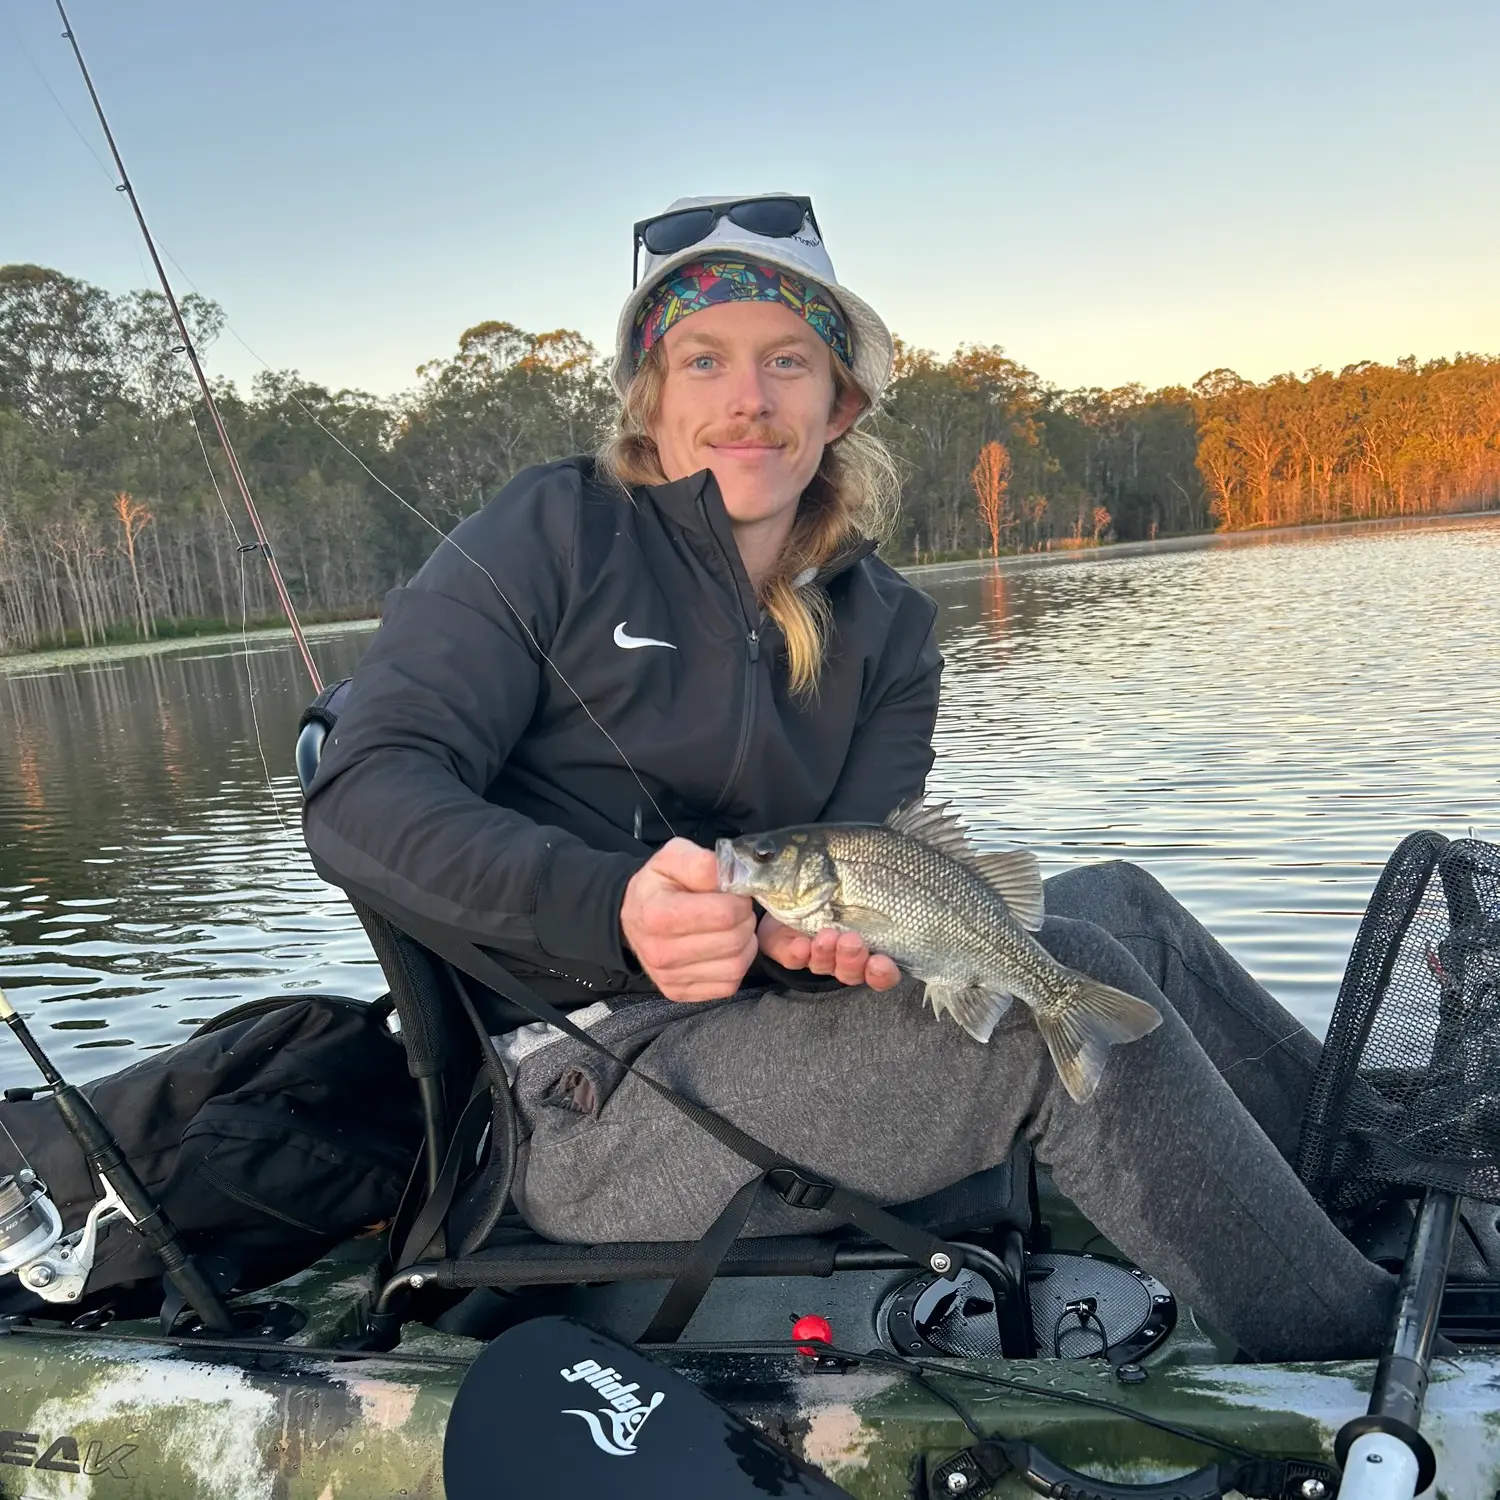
1195, 540
30, 662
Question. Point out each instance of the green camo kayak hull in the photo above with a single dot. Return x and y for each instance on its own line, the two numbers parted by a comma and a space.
119, 1414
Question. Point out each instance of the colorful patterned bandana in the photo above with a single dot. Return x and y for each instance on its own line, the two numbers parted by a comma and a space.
701, 284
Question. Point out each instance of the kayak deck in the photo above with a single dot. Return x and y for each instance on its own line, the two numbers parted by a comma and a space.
123, 1413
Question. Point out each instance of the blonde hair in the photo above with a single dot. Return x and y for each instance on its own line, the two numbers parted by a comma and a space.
852, 496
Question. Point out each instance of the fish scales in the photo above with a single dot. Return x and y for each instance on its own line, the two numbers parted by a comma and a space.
914, 888
963, 914
949, 922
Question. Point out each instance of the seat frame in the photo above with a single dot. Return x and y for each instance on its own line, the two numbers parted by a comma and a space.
445, 1057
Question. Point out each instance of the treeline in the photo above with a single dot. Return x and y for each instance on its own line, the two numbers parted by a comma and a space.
117, 513
1372, 440
117, 516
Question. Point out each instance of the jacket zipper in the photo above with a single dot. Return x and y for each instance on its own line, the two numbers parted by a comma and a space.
752, 657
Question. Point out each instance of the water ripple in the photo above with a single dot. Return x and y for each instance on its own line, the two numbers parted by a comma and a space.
1259, 725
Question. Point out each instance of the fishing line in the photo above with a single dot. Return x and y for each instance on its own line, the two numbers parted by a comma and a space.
933, 1368
1262, 1056
61, 108
262, 543
188, 347
240, 549
250, 692
443, 536
505, 599
25, 1160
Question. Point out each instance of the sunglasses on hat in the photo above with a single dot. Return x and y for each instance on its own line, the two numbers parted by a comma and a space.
776, 218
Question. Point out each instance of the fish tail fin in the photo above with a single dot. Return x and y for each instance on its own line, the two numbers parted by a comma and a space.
1079, 1038
975, 1008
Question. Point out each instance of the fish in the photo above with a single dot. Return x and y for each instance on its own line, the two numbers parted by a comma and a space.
916, 889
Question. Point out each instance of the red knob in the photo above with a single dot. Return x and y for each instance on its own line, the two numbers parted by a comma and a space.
812, 1327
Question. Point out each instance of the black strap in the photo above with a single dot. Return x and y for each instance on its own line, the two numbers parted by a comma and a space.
419, 1227
461, 1146
506, 1130
699, 1269
797, 1186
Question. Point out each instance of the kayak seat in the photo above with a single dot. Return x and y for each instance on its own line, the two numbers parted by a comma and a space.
466, 1235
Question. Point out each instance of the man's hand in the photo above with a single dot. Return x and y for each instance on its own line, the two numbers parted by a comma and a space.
693, 940
842, 954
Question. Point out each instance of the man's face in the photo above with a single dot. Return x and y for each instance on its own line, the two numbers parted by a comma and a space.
749, 394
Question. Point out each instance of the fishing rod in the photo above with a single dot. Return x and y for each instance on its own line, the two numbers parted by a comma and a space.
262, 542
56, 1266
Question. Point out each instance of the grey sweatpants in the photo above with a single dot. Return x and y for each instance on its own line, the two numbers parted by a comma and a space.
1181, 1158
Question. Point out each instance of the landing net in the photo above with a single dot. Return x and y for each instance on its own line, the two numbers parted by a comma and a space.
1407, 1094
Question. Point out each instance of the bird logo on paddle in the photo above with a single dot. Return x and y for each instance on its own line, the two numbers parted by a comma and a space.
616, 1426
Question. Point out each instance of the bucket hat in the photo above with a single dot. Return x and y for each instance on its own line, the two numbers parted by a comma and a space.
803, 254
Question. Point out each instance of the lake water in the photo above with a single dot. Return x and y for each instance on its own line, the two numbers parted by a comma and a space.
1257, 721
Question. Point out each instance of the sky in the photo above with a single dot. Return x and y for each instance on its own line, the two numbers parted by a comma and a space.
1112, 191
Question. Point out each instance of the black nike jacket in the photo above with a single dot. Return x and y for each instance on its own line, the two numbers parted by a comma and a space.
572, 678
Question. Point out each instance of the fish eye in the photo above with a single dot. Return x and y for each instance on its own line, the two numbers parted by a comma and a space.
763, 850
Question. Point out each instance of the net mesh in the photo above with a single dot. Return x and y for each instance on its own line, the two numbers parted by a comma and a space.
1407, 1093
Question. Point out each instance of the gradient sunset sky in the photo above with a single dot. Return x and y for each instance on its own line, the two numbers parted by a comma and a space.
1114, 192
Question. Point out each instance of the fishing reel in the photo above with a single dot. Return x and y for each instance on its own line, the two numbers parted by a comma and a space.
50, 1264
56, 1266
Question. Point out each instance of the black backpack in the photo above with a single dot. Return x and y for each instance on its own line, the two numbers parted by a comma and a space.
277, 1130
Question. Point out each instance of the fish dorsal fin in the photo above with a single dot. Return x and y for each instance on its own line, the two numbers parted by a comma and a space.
932, 824
1014, 873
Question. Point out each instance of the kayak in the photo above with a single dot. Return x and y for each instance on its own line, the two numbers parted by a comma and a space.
120, 1411
1028, 1357
1037, 1360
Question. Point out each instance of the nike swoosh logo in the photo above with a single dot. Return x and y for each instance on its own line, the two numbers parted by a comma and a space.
635, 642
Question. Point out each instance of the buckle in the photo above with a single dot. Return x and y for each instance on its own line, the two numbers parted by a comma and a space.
799, 1191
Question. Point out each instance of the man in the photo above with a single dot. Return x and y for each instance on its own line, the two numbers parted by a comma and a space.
621, 659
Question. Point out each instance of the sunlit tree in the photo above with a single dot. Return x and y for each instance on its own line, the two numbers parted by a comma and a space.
990, 477
134, 518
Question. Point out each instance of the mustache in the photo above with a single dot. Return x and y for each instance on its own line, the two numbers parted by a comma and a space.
749, 432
